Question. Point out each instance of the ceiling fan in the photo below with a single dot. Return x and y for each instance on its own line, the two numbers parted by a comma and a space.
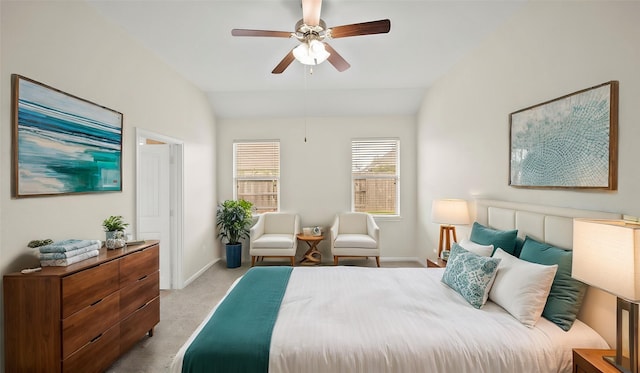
312, 31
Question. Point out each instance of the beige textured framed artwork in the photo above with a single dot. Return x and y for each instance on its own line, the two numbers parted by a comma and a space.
570, 142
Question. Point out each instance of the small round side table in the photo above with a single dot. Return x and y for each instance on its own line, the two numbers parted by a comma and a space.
313, 255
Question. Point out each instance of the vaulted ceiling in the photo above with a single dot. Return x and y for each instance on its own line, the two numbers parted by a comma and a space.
389, 73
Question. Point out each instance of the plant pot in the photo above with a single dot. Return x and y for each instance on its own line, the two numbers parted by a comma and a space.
234, 255
114, 240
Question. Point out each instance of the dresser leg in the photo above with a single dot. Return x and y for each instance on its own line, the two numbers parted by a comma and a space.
150, 332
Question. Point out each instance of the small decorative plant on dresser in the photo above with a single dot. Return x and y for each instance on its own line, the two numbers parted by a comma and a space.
114, 227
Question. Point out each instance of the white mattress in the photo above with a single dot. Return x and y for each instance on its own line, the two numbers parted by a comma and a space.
350, 319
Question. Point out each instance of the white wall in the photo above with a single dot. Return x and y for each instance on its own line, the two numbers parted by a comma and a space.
547, 50
316, 176
68, 46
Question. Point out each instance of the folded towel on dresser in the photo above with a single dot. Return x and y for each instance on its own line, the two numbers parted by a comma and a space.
67, 245
69, 261
69, 254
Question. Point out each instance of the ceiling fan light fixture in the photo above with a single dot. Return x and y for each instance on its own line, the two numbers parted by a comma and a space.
311, 31
311, 53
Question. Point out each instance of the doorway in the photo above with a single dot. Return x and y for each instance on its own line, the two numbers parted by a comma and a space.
159, 200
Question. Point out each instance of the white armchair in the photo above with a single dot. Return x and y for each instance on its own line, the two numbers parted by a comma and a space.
274, 234
355, 234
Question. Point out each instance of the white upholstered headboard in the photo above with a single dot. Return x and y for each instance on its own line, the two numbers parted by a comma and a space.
553, 225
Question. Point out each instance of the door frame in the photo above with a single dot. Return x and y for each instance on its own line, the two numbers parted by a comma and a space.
176, 204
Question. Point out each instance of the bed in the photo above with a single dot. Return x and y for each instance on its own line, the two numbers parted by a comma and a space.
351, 319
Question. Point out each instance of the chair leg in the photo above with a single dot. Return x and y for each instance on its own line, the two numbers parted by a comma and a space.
378, 261
253, 260
335, 260
293, 261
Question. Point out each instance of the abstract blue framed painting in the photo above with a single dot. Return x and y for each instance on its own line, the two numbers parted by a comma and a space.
63, 144
570, 142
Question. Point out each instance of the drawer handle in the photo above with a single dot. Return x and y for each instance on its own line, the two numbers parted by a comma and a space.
141, 307
96, 302
96, 338
143, 278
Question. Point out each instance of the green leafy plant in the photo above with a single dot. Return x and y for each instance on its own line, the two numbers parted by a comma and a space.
233, 219
114, 223
37, 243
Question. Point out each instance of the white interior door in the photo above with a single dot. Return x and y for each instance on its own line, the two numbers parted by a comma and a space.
154, 203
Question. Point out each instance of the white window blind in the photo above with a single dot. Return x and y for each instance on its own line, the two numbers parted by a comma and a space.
256, 174
375, 165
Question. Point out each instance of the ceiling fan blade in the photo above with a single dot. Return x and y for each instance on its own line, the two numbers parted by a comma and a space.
311, 12
336, 59
286, 61
265, 33
366, 28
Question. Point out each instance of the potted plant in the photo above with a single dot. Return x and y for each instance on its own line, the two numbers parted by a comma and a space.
233, 219
114, 227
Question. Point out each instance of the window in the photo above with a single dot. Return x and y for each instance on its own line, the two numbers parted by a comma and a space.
375, 170
256, 174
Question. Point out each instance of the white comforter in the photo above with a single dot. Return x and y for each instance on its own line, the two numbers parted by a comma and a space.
350, 319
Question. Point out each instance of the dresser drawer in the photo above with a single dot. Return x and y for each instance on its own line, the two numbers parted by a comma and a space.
139, 264
139, 293
97, 355
134, 327
87, 324
84, 288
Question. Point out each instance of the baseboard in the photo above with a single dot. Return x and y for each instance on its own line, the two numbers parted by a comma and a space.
401, 259
199, 273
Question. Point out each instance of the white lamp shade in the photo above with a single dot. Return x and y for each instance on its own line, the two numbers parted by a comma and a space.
312, 53
450, 211
606, 254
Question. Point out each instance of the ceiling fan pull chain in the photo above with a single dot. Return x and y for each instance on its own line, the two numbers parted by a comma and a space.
305, 100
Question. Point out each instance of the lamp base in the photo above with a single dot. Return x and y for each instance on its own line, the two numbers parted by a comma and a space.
445, 235
628, 363
623, 368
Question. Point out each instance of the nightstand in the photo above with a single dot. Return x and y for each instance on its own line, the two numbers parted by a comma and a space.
590, 361
436, 263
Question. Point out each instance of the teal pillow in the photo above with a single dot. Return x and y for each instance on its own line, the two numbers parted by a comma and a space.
506, 240
518, 248
567, 293
470, 275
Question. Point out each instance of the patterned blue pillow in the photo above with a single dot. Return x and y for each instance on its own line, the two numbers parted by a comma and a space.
470, 275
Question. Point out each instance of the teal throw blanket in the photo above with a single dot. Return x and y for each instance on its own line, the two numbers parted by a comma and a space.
68, 245
237, 338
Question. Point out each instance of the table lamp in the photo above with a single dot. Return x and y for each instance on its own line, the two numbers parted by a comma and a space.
448, 212
606, 254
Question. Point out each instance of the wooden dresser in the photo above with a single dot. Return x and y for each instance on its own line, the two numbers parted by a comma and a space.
82, 317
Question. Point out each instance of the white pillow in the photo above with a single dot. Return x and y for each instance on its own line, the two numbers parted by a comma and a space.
521, 287
476, 248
